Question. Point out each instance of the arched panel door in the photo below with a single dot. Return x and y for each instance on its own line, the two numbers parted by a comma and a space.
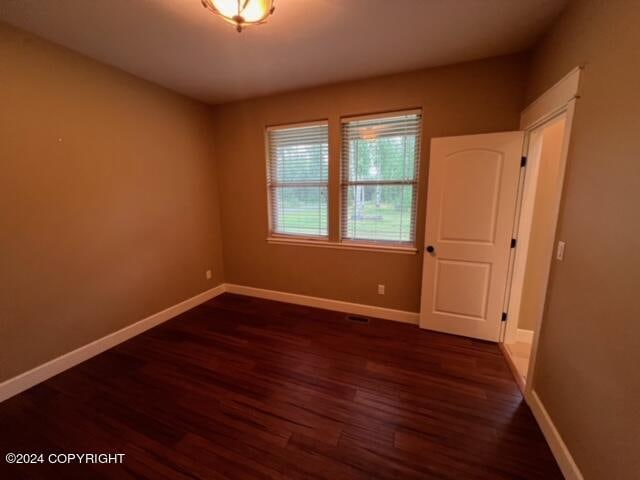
473, 184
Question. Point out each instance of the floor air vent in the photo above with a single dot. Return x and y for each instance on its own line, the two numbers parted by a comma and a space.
357, 319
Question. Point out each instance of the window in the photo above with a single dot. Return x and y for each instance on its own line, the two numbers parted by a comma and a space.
380, 160
297, 176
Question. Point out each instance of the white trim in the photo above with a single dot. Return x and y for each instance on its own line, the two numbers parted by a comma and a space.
373, 116
326, 303
559, 449
559, 100
524, 336
571, 108
554, 99
343, 245
32, 377
522, 233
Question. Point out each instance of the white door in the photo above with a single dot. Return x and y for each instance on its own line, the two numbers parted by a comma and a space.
473, 184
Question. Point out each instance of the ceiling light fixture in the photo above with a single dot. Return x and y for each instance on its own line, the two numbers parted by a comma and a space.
241, 12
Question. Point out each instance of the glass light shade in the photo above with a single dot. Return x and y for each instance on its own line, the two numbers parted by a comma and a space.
241, 12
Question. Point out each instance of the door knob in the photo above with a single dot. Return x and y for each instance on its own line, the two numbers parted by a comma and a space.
430, 249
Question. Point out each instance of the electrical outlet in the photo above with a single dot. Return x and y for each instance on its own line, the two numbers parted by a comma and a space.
208, 274
380, 289
560, 251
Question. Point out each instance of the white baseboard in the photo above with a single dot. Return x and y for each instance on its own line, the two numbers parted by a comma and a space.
32, 377
39, 374
559, 449
326, 303
525, 336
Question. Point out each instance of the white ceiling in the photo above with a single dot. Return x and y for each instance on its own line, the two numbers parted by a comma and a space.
179, 44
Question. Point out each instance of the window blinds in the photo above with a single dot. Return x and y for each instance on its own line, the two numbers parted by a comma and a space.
297, 177
380, 163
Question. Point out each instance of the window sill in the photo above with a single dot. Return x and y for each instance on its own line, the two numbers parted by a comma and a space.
368, 247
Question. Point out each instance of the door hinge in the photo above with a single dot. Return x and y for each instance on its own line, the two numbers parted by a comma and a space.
504, 316
523, 161
514, 242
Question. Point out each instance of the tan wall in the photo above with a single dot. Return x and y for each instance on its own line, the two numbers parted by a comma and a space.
587, 372
119, 219
116, 221
542, 225
484, 96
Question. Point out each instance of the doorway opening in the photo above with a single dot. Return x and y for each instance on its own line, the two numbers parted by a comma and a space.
492, 210
535, 230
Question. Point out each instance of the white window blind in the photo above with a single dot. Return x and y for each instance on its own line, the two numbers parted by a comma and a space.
297, 177
380, 163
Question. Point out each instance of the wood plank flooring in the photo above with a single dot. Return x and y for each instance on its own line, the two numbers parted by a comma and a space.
247, 388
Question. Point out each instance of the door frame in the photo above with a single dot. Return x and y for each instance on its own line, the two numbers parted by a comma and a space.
559, 100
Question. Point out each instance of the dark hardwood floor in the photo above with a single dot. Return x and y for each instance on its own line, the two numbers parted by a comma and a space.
247, 388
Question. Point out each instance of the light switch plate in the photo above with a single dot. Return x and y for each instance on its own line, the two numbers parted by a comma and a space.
560, 251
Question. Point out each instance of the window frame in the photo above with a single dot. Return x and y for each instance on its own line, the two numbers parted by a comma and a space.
282, 237
334, 239
410, 246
